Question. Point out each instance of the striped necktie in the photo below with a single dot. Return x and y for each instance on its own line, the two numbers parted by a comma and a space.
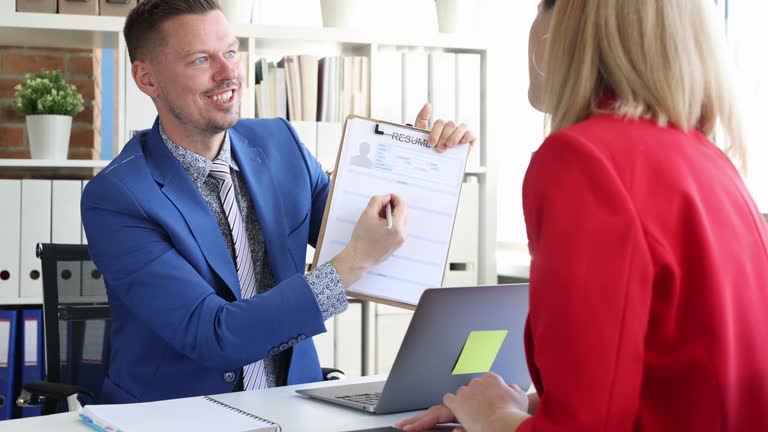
254, 376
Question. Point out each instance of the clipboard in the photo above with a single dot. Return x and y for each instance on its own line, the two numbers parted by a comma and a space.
402, 158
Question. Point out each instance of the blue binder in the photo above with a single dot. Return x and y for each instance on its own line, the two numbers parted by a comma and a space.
8, 323
93, 354
32, 352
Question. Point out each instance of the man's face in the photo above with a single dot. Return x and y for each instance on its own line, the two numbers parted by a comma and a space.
198, 74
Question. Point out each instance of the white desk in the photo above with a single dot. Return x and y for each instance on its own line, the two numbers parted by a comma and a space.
294, 413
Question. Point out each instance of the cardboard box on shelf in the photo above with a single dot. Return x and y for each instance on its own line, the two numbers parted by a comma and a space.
116, 7
79, 7
43, 6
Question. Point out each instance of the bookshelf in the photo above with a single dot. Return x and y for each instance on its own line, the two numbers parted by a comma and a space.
81, 31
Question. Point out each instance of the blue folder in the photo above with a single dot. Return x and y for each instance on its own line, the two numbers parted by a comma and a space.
32, 352
8, 323
93, 354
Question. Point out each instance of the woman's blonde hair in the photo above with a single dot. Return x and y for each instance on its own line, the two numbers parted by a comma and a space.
659, 59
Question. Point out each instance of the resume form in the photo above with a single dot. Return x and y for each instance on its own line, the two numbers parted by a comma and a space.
378, 158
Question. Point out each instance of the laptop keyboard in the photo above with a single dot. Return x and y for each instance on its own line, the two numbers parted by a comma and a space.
365, 398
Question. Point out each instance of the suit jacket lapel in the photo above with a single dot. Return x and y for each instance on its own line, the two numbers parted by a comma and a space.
266, 201
182, 192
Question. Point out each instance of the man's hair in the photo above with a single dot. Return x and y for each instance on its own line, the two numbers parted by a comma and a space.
144, 26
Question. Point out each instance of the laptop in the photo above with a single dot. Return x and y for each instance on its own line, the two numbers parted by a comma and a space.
431, 360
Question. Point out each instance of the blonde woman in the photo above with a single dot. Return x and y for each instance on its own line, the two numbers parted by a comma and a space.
649, 271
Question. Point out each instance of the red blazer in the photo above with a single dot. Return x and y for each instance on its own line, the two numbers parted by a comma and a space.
649, 283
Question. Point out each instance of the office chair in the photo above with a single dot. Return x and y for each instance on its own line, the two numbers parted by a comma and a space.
77, 322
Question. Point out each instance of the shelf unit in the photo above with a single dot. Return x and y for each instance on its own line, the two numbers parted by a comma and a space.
84, 31
81, 31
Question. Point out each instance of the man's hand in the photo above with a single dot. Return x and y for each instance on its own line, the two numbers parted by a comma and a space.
444, 134
372, 242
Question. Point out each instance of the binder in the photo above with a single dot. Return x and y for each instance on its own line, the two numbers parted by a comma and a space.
442, 85
348, 336
468, 86
347, 92
32, 352
66, 353
140, 111
415, 84
308, 76
387, 86
307, 131
83, 239
66, 228
7, 362
360, 99
10, 221
462, 267
35, 228
328, 139
325, 344
91, 280
91, 367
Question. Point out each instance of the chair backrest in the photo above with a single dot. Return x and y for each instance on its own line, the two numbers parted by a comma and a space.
76, 317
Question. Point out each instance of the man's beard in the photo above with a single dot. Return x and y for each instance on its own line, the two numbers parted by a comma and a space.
211, 126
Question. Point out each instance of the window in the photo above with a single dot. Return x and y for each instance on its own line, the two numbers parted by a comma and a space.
747, 34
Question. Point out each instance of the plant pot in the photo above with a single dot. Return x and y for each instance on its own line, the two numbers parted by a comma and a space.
237, 11
448, 13
49, 136
355, 14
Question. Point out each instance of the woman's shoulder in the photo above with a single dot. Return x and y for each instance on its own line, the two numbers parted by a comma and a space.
610, 132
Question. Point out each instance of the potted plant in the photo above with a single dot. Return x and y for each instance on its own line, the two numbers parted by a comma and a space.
237, 11
448, 15
48, 103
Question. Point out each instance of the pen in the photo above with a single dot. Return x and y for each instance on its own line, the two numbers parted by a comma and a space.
389, 216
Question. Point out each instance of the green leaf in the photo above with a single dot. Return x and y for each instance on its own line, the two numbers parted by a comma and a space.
46, 92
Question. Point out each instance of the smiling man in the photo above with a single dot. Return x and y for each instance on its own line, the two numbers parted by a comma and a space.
200, 225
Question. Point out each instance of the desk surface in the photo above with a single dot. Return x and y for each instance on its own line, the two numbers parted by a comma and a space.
294, 413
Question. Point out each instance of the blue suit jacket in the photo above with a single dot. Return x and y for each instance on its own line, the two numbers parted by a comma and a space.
179, 326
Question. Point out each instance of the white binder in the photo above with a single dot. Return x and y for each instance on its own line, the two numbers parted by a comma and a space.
468, 85
10, 220
325, 344
442, 85
92, 284
415, 84
348, 335
140, 111
307, 131
35, 228
328, 140
462, 266
387, 86
66, 228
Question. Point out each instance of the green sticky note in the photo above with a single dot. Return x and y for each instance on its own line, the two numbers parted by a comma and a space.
479, 352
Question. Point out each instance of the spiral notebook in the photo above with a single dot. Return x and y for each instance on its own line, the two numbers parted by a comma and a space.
189, 414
